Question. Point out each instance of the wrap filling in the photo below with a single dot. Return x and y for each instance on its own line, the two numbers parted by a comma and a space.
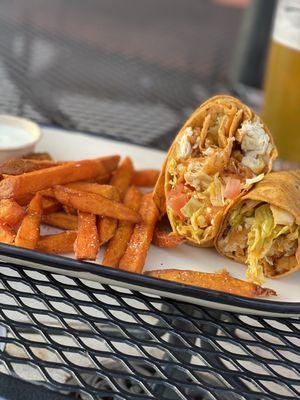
210, 167
264, 236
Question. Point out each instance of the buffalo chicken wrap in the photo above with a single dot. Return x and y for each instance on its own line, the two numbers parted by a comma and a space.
262, 228
221, 151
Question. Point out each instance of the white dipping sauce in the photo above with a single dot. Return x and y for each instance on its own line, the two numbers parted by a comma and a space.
13, 136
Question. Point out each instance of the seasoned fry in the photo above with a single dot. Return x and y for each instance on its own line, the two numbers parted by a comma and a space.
107, 226
50, 205
25, 200
11, 212
60, 243
32, 182
123, 176
121, 180
61, 220
221, 281
136, 251
7, 234
86, 245
145, 177
117, 245
165, 239
69, 210
104, 190
106, 229
38, 156
29, 231
47, 193
102, 179
21, 166
95, 204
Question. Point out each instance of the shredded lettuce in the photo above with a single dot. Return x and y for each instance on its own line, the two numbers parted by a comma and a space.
259, 241
190, 229
242, 211
279, 230
261, 237
248, 208
195, 233
198, 219
236, 217
191, 207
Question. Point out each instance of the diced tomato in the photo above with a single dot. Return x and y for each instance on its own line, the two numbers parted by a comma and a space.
232, 189
177, 199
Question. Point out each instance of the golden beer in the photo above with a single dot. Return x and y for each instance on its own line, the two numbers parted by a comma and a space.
281, 109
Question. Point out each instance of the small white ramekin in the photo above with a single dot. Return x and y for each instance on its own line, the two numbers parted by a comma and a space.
31, 127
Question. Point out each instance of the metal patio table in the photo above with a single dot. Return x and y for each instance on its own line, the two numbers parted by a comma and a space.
81, 339
94, 341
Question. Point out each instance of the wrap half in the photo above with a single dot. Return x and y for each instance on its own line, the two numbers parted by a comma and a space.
220, 152
262, 228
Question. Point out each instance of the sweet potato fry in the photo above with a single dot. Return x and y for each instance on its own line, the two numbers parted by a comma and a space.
117, 245
50, 205
61, 220
102, 179
38, 156
25, 200
136, 251
21, 166
103, 190
123, 176
106, 229
86, 245
120, 180
29, 231
166, 239
107, 226
60, 243
7, 234
145, 177
11, 212
94, 204
69, 210
32, 182
221, 281
47, 193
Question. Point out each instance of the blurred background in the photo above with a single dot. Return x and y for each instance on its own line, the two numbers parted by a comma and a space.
129, 69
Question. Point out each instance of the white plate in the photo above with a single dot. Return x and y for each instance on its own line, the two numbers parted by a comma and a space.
64, 145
